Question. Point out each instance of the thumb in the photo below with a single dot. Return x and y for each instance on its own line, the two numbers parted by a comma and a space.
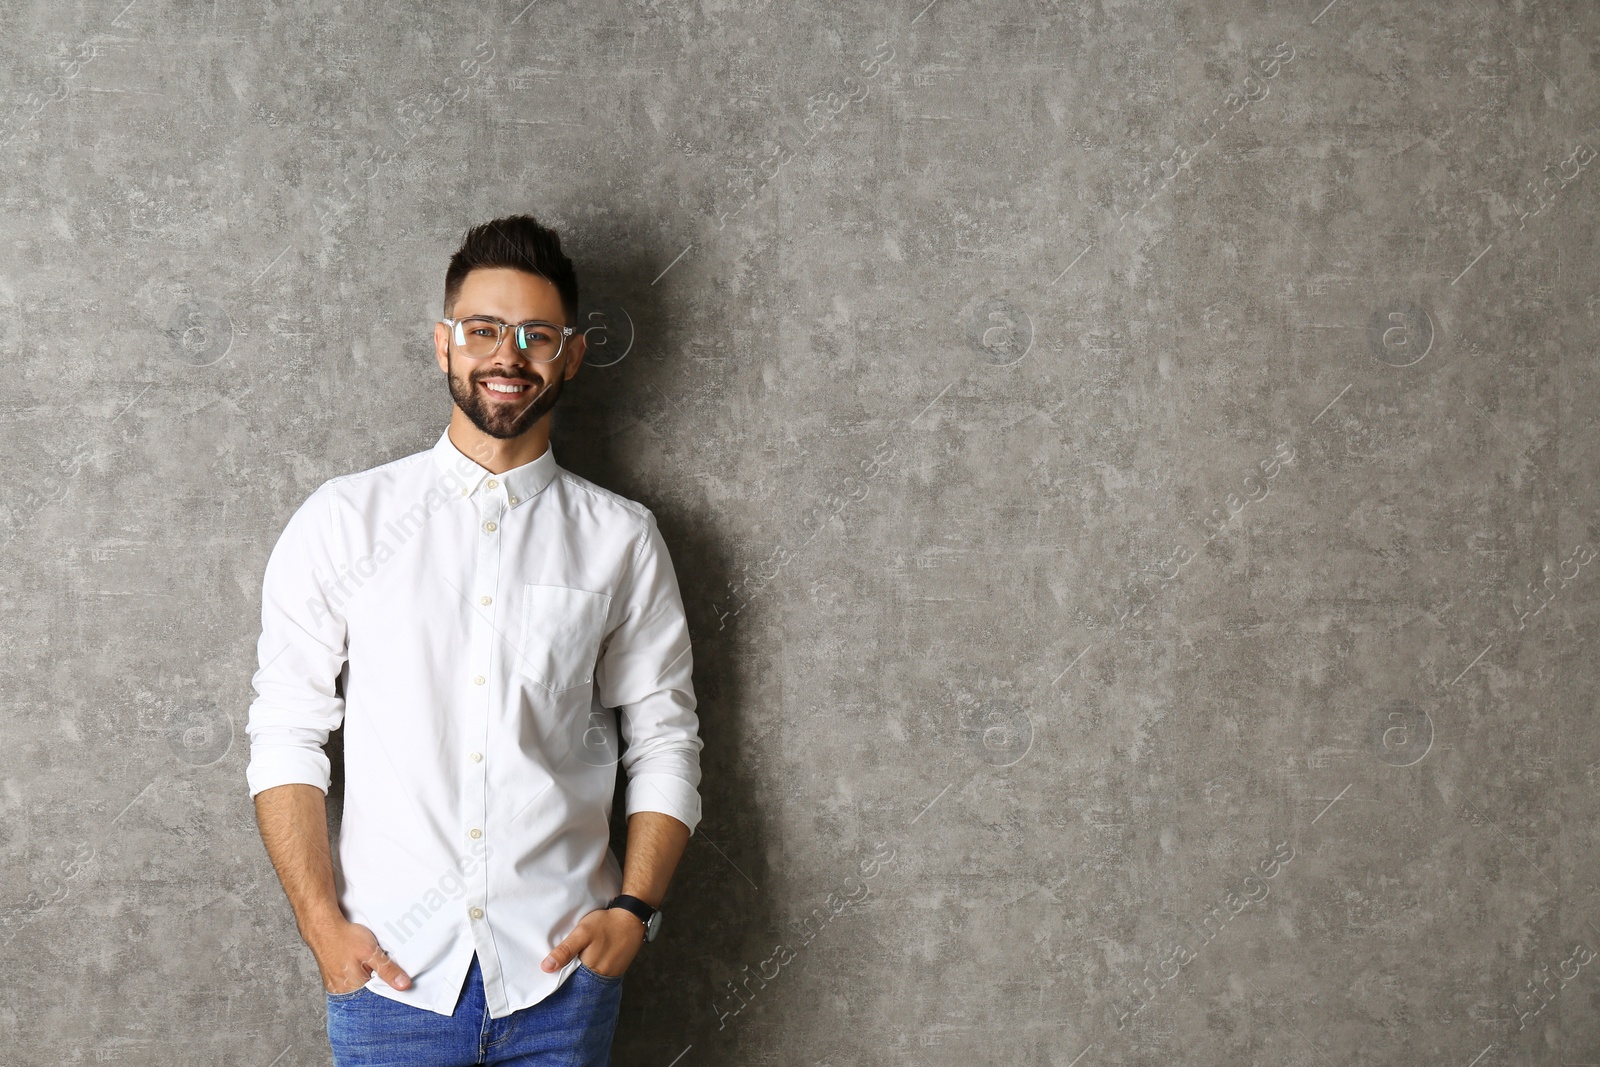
387, 969
569, 947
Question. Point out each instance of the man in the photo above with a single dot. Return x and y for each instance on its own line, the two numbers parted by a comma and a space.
472, 614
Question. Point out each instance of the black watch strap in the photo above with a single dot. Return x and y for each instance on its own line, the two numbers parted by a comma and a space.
651, 917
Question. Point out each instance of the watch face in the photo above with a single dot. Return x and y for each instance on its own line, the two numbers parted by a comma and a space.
653, 925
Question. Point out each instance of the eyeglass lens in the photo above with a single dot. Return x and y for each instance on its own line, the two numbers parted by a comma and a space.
539, 341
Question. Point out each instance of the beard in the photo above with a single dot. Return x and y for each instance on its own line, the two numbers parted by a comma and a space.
501, 418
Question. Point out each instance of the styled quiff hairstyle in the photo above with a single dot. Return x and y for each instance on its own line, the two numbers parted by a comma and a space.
522, 243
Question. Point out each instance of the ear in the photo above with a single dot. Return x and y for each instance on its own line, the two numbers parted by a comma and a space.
577, 345
441, 346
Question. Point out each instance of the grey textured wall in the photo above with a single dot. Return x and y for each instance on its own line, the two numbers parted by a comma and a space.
1129, 465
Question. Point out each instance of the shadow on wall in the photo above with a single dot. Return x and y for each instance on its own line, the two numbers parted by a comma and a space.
613, 411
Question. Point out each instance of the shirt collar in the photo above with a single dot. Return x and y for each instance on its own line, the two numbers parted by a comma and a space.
465, 476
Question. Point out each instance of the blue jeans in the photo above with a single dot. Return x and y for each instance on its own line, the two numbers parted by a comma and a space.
572, 1026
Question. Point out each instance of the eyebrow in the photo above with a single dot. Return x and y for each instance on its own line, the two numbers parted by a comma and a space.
503, 322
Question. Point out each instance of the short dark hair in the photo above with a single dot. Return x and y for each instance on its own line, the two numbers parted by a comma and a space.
522, 243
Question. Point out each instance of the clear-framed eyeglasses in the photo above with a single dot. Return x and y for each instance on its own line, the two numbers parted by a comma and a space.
479, 336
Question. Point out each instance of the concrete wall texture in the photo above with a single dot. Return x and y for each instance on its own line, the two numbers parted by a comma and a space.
1130, 468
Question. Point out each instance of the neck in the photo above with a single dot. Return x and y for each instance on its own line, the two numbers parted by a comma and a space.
492, 453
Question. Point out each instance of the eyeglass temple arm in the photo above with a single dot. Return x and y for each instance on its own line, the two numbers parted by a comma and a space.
567, 331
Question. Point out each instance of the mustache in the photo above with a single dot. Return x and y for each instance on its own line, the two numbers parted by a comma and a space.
498, 374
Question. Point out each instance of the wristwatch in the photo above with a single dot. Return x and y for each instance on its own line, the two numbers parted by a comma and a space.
651, 917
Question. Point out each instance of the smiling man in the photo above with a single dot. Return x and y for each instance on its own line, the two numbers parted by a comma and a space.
488, 628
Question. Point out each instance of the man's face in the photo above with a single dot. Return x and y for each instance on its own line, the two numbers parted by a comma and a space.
510, 296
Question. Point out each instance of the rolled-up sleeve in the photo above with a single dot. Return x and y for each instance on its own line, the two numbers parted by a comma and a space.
645, 671
301, 653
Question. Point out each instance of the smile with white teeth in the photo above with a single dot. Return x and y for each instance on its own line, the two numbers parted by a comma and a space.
497, 387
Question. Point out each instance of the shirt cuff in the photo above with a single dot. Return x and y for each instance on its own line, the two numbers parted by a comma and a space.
287, 763
667, 794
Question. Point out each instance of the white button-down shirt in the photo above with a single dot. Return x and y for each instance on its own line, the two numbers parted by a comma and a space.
474, 633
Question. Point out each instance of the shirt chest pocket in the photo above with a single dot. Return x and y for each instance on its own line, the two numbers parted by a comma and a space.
561, 632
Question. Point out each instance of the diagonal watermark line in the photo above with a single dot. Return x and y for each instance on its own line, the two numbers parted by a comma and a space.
931, 803
131, 803
932, 402
132, 402
1068, 667
732, 864
1490, 421
274, 263
676, 658
1324, 11
680, 1055
1334, 401
924, 11
1469, 666
674, 263
1074, 263
664, 396
1310, 244
1475, 259
1331, 803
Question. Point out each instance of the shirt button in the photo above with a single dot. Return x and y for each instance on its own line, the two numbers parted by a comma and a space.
486, 601
476, 913
477, 757
492, 484
513, 500
474, 833
489, 526
478, 680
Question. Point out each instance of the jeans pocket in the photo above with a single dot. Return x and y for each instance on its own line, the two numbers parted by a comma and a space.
338, 998
608, 979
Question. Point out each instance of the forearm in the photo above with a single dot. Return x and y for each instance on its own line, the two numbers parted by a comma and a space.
294, 827
655, 844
